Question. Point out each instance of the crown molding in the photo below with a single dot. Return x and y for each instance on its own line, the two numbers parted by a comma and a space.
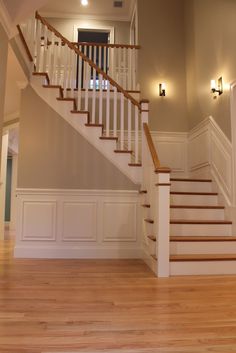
6, 21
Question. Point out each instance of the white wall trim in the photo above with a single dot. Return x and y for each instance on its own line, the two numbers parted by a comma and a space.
78, 224
210, 153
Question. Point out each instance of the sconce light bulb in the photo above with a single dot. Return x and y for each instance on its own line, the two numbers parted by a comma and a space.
84, 2
213, 85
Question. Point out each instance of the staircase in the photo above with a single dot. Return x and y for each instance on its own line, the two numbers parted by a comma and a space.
185, 230
201, 240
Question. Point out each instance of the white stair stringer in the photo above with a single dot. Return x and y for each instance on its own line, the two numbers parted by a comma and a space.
78, 121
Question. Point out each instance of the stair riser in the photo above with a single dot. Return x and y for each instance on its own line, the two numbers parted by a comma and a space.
181, 248
200, 229
197, 214
195, 200
202, 268
191, 186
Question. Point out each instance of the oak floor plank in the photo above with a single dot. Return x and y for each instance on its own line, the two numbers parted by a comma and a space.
112, 306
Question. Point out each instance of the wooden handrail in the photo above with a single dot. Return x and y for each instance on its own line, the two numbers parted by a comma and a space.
86, 59
126, 46
25, 44
151, 146
153, 151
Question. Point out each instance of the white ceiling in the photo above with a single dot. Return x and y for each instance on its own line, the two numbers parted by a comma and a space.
96, 9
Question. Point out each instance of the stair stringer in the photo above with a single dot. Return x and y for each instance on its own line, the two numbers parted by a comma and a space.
78, 121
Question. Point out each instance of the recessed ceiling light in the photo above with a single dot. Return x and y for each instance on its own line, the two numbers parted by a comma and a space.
84, 2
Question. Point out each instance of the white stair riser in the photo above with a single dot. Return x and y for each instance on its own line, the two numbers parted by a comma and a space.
197, 214
212, 247
200, 229
195, 200
202, 268
191, 186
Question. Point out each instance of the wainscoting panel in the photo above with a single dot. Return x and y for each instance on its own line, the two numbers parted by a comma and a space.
38, 220
79, 221
210, 154
119, 221
78, 224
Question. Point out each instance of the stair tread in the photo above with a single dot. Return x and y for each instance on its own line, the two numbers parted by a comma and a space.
152, 237
146, 205
149, 220
123, 151
108, 138
198, 207
193, 193
143, 191
192, 180
202, 238
203, 257
135, 164
193, 221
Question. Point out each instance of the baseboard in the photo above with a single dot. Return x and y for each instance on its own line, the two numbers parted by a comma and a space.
62, 252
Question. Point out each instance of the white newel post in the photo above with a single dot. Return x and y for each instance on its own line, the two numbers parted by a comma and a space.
162, 221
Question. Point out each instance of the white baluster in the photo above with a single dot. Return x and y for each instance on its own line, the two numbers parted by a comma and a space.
94, 93
55, 61
124, 69
136, 147
100, 98
45, 46
79, 80
100, 57
49, 55
73, 70
108, 110
115, 113
39, 28
129, 123
122, 121
87, 79
134, 69
105, 59
119, 66
130, 69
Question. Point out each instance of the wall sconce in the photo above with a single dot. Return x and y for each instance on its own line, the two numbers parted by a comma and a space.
219, 88
162, 89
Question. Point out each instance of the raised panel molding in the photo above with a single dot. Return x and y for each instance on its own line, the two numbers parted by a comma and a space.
208, 147
38, 221
78, 224
79, 221
119, 221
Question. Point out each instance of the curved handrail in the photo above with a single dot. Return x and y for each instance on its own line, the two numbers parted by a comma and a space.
90, 62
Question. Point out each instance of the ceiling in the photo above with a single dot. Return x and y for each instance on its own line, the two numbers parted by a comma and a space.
96, 9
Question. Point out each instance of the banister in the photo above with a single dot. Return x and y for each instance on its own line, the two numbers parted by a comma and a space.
153, 151
108, 45
86, 59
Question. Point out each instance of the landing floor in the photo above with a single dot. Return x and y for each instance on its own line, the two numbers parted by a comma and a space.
111, 306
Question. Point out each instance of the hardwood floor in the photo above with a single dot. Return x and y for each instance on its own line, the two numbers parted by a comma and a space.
111, 306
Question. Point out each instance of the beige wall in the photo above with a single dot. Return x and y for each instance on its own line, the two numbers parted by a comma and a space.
53, 155
162, 58
211, 53
3, 70
66, 27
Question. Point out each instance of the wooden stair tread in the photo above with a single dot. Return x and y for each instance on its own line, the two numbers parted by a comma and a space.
135, 164
152, 237
193, 221
146, 205
203, 257
193, 193
94, 125
202, 238
192, 180
108, 138
148, 220
143, 191
198, 207
123, 151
